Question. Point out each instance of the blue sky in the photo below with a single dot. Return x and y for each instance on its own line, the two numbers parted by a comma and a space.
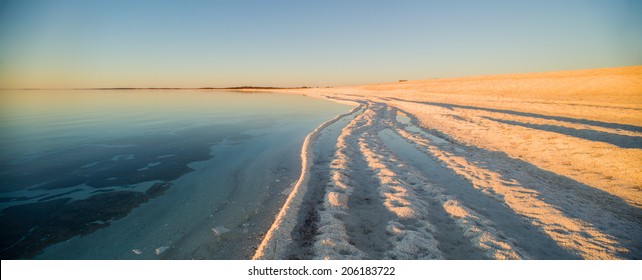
76, 43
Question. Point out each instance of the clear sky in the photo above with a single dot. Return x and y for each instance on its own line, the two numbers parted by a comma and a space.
130, 43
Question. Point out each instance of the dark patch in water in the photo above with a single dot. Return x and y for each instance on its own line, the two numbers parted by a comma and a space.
28, 229
125, 161
157, 189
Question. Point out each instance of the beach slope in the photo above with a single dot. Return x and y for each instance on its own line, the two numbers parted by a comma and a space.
523, 166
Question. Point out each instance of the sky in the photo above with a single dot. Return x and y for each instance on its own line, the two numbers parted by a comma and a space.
119, 43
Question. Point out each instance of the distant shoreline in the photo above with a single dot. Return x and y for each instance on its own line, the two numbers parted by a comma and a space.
165, 88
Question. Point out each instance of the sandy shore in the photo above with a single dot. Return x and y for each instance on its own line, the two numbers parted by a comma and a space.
525, 166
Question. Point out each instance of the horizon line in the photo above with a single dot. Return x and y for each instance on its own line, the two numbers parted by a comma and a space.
304, 87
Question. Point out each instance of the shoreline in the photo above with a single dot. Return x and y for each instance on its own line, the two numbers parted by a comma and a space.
521, 161
287, 217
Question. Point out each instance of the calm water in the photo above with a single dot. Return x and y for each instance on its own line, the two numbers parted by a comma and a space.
147, 174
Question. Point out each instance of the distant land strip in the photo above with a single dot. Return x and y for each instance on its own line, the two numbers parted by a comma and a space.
161, 88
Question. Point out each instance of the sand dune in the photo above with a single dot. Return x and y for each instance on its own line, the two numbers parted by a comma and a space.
525, 166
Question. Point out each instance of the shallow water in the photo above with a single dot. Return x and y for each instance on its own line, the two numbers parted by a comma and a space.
147, 174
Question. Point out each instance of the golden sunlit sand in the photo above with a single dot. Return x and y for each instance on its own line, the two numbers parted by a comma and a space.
520, 166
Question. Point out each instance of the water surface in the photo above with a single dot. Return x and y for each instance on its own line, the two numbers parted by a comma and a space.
147, 174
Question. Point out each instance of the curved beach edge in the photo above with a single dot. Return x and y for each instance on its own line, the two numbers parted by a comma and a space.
278, 238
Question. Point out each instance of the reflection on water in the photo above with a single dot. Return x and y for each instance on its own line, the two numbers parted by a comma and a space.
77, 161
